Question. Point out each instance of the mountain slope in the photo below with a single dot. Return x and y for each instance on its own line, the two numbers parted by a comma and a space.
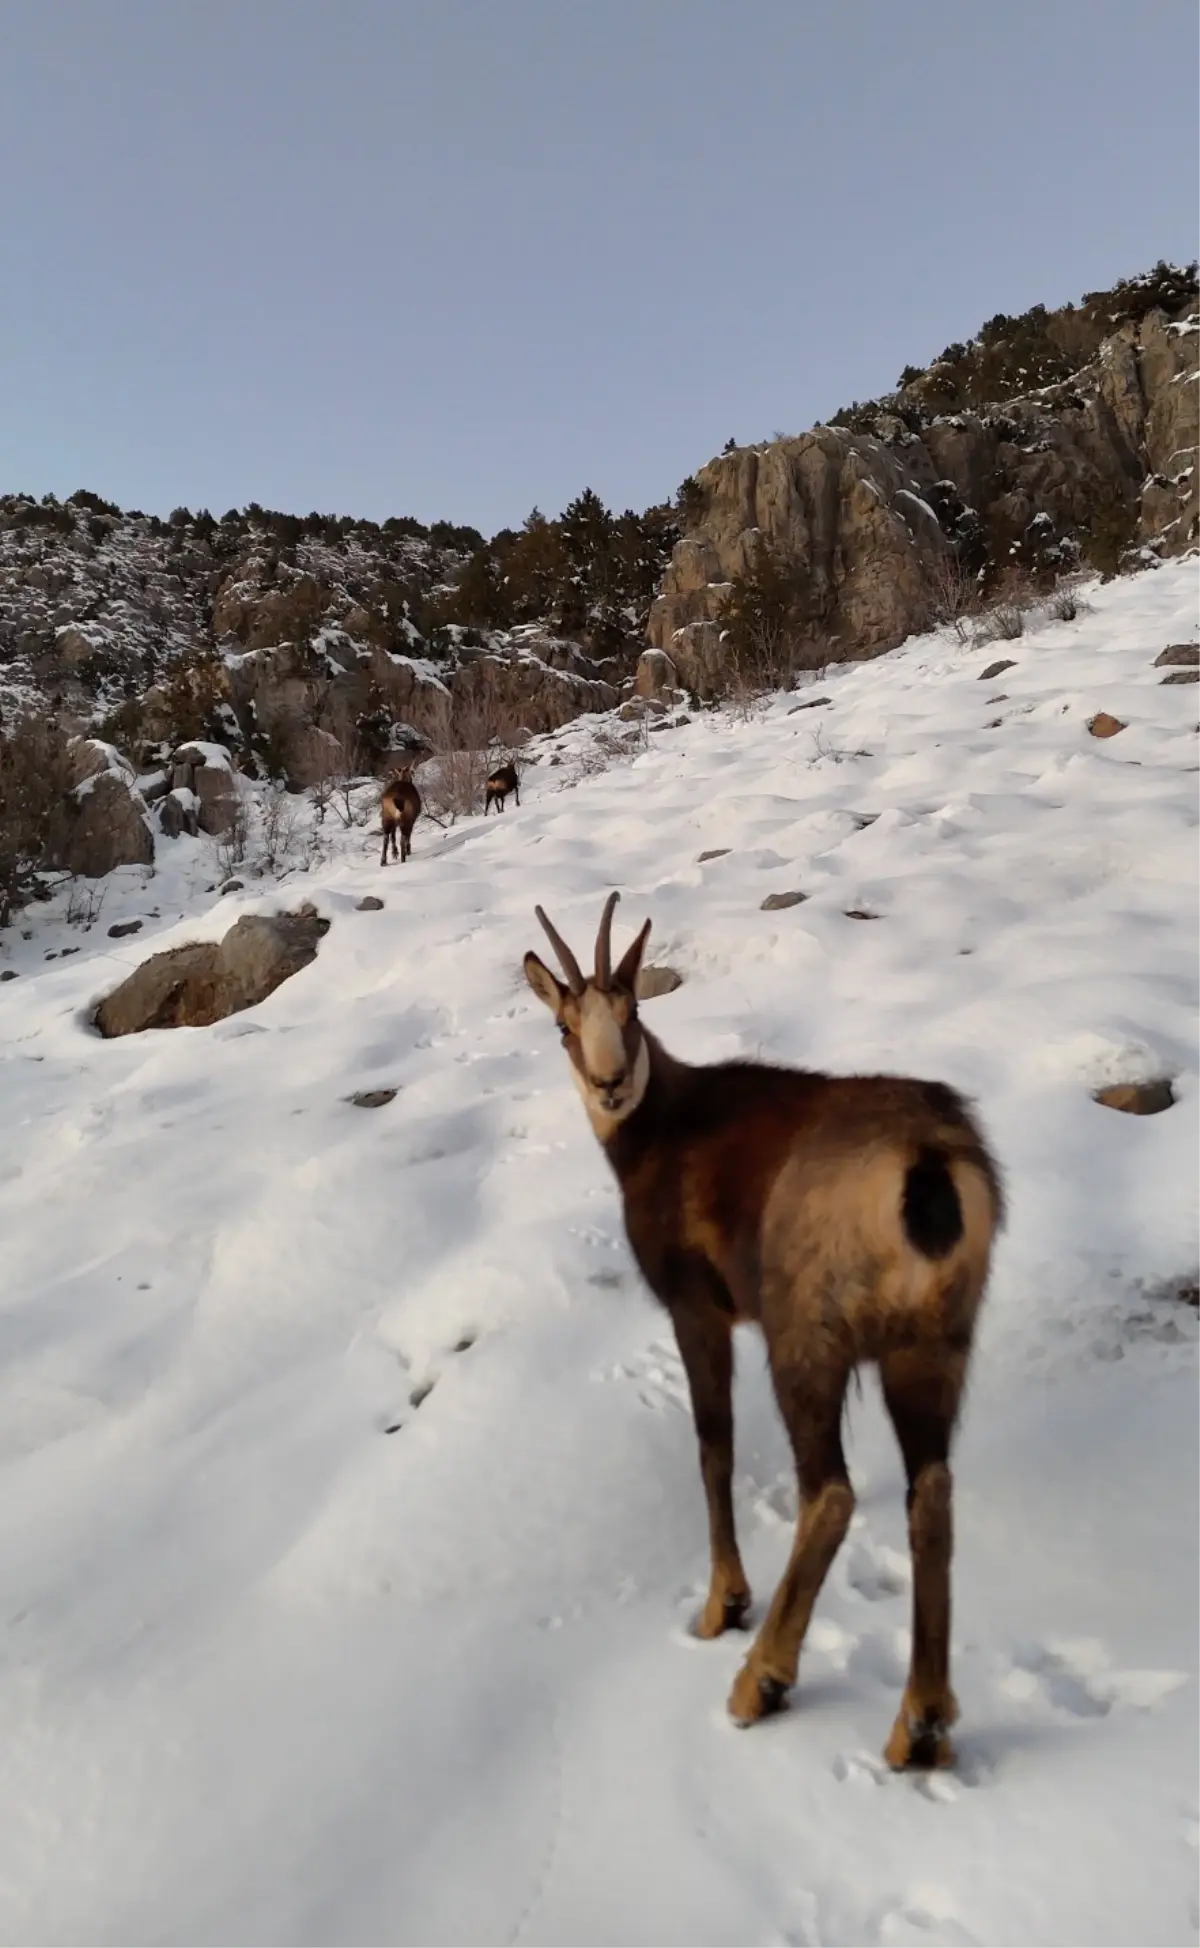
272, 1671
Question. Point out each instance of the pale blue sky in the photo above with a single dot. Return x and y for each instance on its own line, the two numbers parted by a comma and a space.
452, 258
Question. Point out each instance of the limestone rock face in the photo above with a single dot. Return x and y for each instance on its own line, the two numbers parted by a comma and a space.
844, 511
865, 523
191, 987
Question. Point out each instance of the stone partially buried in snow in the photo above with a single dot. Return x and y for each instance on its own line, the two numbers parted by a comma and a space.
1182, 676
191, 987
1178, 656
1104, 725
1137, 1098
775, 902
996, 669
653, 981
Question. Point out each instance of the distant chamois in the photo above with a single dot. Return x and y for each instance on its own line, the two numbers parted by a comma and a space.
500, 782
852, 1218
399, 808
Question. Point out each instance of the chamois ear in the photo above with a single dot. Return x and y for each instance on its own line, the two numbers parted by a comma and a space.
544, 985
631, 960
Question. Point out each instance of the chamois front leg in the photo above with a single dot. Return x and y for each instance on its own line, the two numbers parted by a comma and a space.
705, 1337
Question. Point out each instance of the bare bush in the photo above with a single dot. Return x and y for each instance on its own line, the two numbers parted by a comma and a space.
1004, 620
233, 844
469, 736
83, 905
278, 827
762, 624
1008, 622
1065, 605
953, 595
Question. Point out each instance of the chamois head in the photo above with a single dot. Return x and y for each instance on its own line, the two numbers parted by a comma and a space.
598, 1021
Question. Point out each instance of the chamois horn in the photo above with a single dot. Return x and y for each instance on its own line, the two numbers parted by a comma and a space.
570, 966
604, 943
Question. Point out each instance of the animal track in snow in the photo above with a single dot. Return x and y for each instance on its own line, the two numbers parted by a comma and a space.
874, 1571
859, 1769
1076, 1676
393, 1423
924, 1922
658, 1376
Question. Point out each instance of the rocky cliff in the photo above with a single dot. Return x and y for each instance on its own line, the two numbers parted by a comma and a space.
1097, 461
272, 633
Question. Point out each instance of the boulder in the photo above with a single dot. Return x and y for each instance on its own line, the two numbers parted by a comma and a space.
776, 902
653, 981
1137, 1098
179, 812
204, 769
1104, 725
104, 825
190, 987
1178, 655
996, 669
1182, 676
656, 674
699, 657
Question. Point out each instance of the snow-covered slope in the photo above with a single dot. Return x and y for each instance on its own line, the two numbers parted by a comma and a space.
350, 1523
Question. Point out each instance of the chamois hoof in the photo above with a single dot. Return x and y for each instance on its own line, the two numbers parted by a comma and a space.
754, 1697
922, 1744
722, 1613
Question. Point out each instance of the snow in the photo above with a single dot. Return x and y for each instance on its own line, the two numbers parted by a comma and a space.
905, 493
274, 1673
199, 750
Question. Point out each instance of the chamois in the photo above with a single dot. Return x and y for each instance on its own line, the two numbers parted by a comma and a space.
852, 1218
500, 782
399, 809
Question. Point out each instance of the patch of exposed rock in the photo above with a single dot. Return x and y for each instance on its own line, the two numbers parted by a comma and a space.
1137, 1098
193, 986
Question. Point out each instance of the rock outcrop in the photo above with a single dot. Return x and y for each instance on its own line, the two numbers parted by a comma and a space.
867, 518
191, 987
203, 770
103, 822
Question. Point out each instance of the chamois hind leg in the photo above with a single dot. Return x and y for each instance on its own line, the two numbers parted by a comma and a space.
922, 1390
705, 1337
386, 835
811, 1403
